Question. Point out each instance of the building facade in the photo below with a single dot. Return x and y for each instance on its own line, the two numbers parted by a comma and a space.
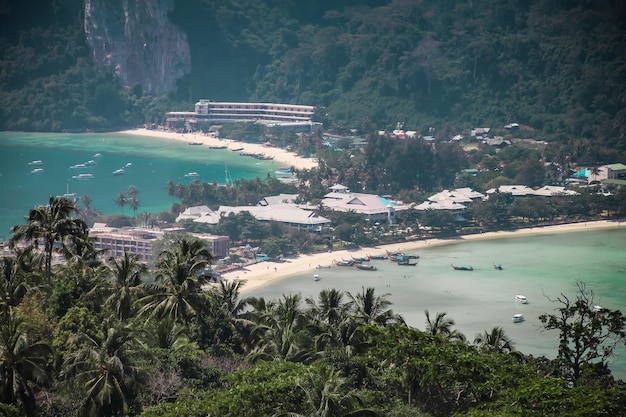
232, 112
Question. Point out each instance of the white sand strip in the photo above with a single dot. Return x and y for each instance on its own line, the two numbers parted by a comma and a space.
286, 158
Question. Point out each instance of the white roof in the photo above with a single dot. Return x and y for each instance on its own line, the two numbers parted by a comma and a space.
281, 212
550, 190
194, 213
440, 205
516, 190
276, 199
459, 195
360, 203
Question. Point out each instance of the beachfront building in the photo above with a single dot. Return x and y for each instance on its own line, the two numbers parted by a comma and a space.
269, 209
139, 241
371, 206
270, 114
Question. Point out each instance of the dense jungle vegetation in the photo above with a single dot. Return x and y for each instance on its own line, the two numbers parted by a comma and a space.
554, 66
85, 336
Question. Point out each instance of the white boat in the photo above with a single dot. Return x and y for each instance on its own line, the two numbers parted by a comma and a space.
119, 172
79, 166
37, 171
192, 175
91, 162
521, 299
518, 318
98, 155
36, 162
316, 277
82, 177
598, 309
128, 165
70, 196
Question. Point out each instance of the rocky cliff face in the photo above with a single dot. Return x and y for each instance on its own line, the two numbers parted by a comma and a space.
136, 39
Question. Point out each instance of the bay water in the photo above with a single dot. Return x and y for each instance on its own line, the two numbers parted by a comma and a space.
541, 267
155, 161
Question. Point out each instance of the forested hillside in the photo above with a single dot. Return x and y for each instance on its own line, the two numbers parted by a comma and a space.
557, 67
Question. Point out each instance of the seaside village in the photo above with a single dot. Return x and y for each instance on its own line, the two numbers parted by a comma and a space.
285, 209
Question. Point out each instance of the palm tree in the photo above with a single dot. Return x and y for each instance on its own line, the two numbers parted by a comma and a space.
330, 308
327, 394
495, 341
133, 203
167, 334
51, 224
120, 200
181, 274
370, 309
126, 273
22, 363
442, 325
278, 332
106, 367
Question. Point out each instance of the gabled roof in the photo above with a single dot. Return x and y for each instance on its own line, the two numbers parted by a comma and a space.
338, 187
276, 199
551, 190
516, 190
281, 212
360, 203
439, 205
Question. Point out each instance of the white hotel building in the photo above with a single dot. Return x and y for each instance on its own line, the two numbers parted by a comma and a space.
271, 114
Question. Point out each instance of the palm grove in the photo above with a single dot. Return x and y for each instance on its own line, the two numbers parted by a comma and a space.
80, 335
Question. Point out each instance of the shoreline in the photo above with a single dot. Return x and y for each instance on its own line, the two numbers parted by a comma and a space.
262, 274
289, 159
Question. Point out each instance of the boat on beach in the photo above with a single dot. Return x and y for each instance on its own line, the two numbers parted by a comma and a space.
322, 267
195, 143
366, 267
377, 257
462, 268
343, 263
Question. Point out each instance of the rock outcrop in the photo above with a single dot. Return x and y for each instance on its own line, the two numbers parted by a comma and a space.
136, 39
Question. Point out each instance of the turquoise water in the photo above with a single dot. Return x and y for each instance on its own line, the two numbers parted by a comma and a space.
538, 267
154, 162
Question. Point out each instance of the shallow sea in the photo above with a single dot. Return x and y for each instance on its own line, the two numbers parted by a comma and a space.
154, 161
539, 267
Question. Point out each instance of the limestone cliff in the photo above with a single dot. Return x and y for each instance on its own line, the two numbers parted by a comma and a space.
136, 40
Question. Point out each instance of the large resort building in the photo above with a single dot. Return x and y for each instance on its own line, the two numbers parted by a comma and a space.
270, 114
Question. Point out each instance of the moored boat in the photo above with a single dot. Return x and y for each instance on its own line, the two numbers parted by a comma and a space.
361, 258
35, 163
192, 175
518, 318
82, 177
128, 165
343, 263
463, 268
37, 171
406, 262
119, 172
498, 267
322, 266
377, 257
78, 166
521, 299
366, 267
91, 162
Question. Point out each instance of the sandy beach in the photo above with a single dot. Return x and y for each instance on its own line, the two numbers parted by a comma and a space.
263, 273
286, 158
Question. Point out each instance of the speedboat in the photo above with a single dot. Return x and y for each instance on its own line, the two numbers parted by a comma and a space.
118, 172
98, 155
598, 309
82, 177
128, 165
36, 162
518, 318
192, 175
521, 299
316, 277
79, 166
37, 171
91, 162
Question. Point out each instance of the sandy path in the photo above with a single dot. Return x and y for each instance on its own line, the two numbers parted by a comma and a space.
286, 158
264, 273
